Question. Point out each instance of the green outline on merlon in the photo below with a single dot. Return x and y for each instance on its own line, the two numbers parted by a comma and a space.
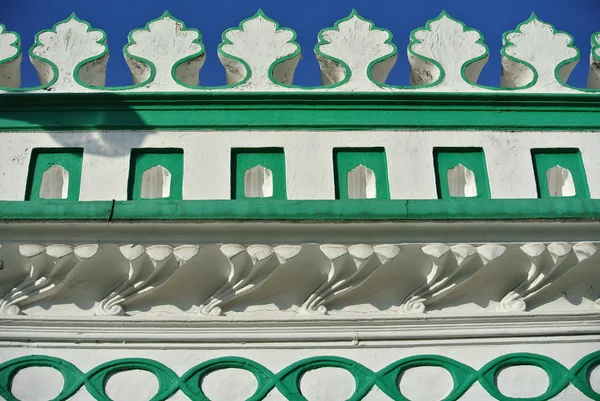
150, 64
15, 44
507, 43
37, 43
225, 41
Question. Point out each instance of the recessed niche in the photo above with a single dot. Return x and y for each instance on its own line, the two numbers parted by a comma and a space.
156, 183
461, 182
560, 182
258, 182
55, 183
361, 183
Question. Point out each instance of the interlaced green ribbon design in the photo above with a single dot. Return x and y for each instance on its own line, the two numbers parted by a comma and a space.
288, 380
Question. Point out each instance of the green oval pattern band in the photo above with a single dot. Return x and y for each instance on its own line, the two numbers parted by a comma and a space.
287, 381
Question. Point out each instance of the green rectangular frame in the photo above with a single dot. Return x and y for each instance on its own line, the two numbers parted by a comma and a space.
243, 159
445, 159
145, 158
71, 159
545, 159
345, 159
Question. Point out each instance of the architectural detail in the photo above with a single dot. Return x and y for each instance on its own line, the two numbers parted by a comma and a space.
355, 54
258, 55
450, 266
149, 268
250, 64
47, 271
165, 55
560, 181
10, 58
288, 380
537, 57
156, 183
594, 75
258, 182
70, 56
461, 182
55, 183
349, 268
362, 183
249, 268
446, 54
548, 264
264, 240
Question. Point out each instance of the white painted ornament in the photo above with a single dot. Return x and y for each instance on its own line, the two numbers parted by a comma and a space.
148, 269
70, 57
165, 55
446, 55
48, 270
10, 58
537, 58
355, 55
258, 54
593, 81
451, 266
547, 265
349, 268
249, 268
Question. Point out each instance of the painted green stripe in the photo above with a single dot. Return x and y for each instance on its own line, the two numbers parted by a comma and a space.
298, 111
372, 209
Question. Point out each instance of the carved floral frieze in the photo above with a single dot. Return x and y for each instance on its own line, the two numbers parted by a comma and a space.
259, 55
303, 280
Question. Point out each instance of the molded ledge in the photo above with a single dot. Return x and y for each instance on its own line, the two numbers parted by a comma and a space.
368, 209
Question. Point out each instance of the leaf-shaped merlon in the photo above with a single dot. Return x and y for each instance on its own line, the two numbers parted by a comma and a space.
446, 54
165, 54
258, 54
70, 56
10, 58
594, 75
355, 54
537, 57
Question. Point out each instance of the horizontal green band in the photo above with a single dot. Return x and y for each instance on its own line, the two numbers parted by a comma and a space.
298, 111
449, 209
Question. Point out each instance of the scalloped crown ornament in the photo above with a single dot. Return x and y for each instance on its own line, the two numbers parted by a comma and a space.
259, 55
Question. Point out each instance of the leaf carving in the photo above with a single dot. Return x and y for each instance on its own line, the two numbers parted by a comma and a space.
355, 54
249, 268
258, 54
70, 55
594, 75
537, 57
446, 53
164, 54
10, 58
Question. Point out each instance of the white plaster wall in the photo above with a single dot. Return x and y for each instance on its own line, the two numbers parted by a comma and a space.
308, 156
327, 384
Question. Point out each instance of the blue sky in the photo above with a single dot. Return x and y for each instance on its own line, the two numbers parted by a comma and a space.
307, 17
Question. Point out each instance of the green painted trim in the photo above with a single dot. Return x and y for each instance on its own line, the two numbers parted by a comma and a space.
311, 210
240, 27
150, 64
16, 44
507, 44
445, 159
287, 381
346, 159
37, 43
146, 158
243, 159
297, 111
596, 46
71, 159
545, 159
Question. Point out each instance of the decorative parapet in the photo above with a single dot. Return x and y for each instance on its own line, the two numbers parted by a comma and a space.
259, 55
296, 280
